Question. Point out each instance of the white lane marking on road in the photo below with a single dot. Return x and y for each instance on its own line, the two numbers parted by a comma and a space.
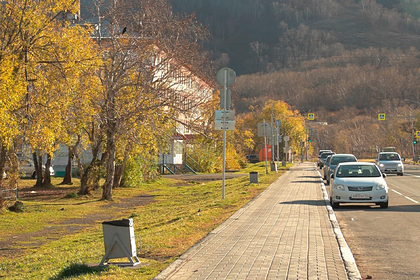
417, 176
409, 198
396, 192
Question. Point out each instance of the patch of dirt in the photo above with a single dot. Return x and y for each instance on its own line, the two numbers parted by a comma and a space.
18, 243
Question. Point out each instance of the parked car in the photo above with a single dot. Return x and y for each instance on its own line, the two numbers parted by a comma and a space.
390, 163
326, 166
323, 157
359, 182
334, 161
253, 158
27, 169
323, 151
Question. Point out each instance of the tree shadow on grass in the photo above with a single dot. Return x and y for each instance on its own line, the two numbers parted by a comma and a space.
76, 269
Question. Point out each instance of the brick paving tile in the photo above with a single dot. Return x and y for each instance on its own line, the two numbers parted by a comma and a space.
285, 233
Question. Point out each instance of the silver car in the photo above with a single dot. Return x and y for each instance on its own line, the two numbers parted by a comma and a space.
390, 163
358, 182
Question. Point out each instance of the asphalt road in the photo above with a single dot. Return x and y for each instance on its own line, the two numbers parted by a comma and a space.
386, 242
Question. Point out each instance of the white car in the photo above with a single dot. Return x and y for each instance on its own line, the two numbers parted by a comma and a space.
358, 182
390, 163
27, 169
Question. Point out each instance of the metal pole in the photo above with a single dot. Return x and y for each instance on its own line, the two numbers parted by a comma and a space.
224, 133
272, 134
265, 149
306, 144
278, 144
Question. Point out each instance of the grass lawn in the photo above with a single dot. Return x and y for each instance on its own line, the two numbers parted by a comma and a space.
59, 235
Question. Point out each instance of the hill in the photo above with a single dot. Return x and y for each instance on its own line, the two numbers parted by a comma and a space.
253, 36
344, 60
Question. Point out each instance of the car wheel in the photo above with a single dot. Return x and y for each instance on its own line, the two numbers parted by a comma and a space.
384, 205
334, 205
33, 176
400, 174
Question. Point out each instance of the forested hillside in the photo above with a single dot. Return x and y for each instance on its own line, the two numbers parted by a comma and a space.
344, 60
266, 35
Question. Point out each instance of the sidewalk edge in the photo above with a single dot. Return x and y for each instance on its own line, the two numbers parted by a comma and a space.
346, 254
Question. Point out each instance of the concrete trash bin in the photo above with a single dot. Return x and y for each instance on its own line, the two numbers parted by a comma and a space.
253, 177
119, 241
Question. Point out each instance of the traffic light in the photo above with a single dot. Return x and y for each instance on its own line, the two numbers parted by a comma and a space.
309, 140
414, 141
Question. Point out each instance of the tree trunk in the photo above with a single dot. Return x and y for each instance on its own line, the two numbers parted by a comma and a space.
85, 187
67, 180
3, 153
119, 171
38, 169
14, 169
110, 166
47, 175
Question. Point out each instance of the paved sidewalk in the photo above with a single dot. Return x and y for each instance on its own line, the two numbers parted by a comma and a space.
288, 232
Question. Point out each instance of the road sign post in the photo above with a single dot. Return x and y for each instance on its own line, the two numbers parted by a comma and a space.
225, 78
265, 148
278, 123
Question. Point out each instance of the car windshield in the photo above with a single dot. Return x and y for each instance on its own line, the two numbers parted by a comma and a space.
389, 157
337, 160
358, 171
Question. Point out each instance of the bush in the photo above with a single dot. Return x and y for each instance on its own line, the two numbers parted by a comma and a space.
17, 207
138, 170
71, 195
210, 159
205, 155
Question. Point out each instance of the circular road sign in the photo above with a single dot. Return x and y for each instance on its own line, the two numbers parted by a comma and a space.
226, 77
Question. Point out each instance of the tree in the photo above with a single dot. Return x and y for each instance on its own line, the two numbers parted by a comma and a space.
41, 54
292, 125
144, 67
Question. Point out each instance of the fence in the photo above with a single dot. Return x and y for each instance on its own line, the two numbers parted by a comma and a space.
8, 194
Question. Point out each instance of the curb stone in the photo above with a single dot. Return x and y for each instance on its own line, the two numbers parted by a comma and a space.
346, 254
